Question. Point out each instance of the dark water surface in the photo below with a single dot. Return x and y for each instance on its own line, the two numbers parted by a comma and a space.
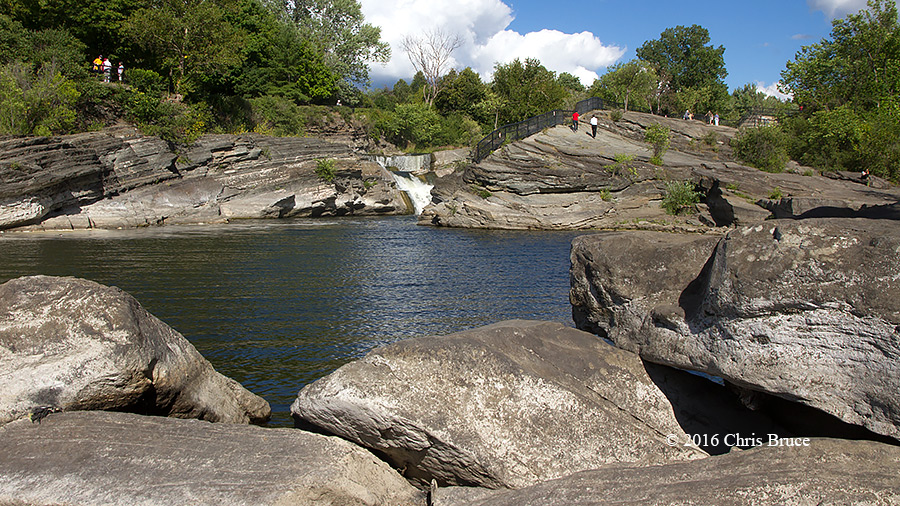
278, 304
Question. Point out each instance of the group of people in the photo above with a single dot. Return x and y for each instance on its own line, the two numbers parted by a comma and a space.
711, 119
593, 124
103, 67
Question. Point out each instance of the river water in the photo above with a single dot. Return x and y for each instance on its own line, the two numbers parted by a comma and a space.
278, 304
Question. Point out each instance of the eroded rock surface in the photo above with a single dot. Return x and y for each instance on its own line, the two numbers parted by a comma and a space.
102, 458
118, 178
559, 179
826, 472
73, 344
802, 309
508, 405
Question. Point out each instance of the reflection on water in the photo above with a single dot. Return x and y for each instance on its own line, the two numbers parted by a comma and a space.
276, 305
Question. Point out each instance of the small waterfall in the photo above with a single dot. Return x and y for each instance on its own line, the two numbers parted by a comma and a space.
416, 164
409, 172
419, 191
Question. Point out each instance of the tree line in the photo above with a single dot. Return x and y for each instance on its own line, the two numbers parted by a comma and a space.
196, 66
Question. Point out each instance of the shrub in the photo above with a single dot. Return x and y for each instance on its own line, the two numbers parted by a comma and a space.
658, 137
41, 103
277, 116
146, 81
325, 169
764, 147
680, 197
615, 115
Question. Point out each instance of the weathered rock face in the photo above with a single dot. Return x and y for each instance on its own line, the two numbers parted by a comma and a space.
827, 471
73, 344
118, 178
105, 458
559, 179
512, 404
802, 309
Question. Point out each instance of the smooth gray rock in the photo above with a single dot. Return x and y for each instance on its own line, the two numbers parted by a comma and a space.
74, 344
802, 309
826, 472
506, 405
102, 458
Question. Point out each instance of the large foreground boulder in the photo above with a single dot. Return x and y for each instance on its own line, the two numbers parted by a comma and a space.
94, 458
818, 471
802, 309
73, 344
507, 405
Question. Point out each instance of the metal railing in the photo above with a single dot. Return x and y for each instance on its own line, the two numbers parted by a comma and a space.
515, 131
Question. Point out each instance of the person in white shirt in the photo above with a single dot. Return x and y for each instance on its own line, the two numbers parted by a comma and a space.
594, 126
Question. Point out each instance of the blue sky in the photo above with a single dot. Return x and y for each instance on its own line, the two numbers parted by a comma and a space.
584, 37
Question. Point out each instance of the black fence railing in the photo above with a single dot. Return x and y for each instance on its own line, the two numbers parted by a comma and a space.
516, 131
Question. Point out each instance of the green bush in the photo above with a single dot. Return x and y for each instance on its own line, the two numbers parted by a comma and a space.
658, 137
680, 197
41, 103
277, 116
325, 169
763, 147
146, 81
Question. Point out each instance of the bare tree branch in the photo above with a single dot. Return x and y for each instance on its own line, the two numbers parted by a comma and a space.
430, 54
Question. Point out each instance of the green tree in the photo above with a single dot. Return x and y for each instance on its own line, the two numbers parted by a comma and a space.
338, 29
859, 65
192, 38
625, 80
570, 82
683, 54
683, 59
278, 61
461, 92
848, 87
526, 90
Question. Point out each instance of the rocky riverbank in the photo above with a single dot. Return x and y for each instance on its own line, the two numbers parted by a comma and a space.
117, 178
560, 179
791, 323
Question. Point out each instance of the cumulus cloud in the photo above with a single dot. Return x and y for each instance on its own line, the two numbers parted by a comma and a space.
837, 8
772, 91
483, 27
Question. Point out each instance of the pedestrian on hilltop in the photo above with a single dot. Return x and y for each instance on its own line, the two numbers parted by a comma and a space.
575, 121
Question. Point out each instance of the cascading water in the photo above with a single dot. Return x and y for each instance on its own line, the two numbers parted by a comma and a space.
409, 172
419, 192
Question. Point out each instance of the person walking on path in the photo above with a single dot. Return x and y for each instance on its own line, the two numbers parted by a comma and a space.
594, 126
717, 119
121, 71
107, 66
575, 121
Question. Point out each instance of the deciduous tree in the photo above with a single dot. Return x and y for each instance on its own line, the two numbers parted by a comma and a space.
430, 53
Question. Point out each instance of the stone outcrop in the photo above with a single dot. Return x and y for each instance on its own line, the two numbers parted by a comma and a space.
118, 178
559, 179
94, 458
512, 404
826, 471
71, 344
801, 309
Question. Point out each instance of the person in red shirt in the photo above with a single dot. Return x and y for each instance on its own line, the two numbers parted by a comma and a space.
575, 121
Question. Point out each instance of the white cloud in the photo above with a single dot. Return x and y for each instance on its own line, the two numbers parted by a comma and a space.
772, 91
482, 26
837, 8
